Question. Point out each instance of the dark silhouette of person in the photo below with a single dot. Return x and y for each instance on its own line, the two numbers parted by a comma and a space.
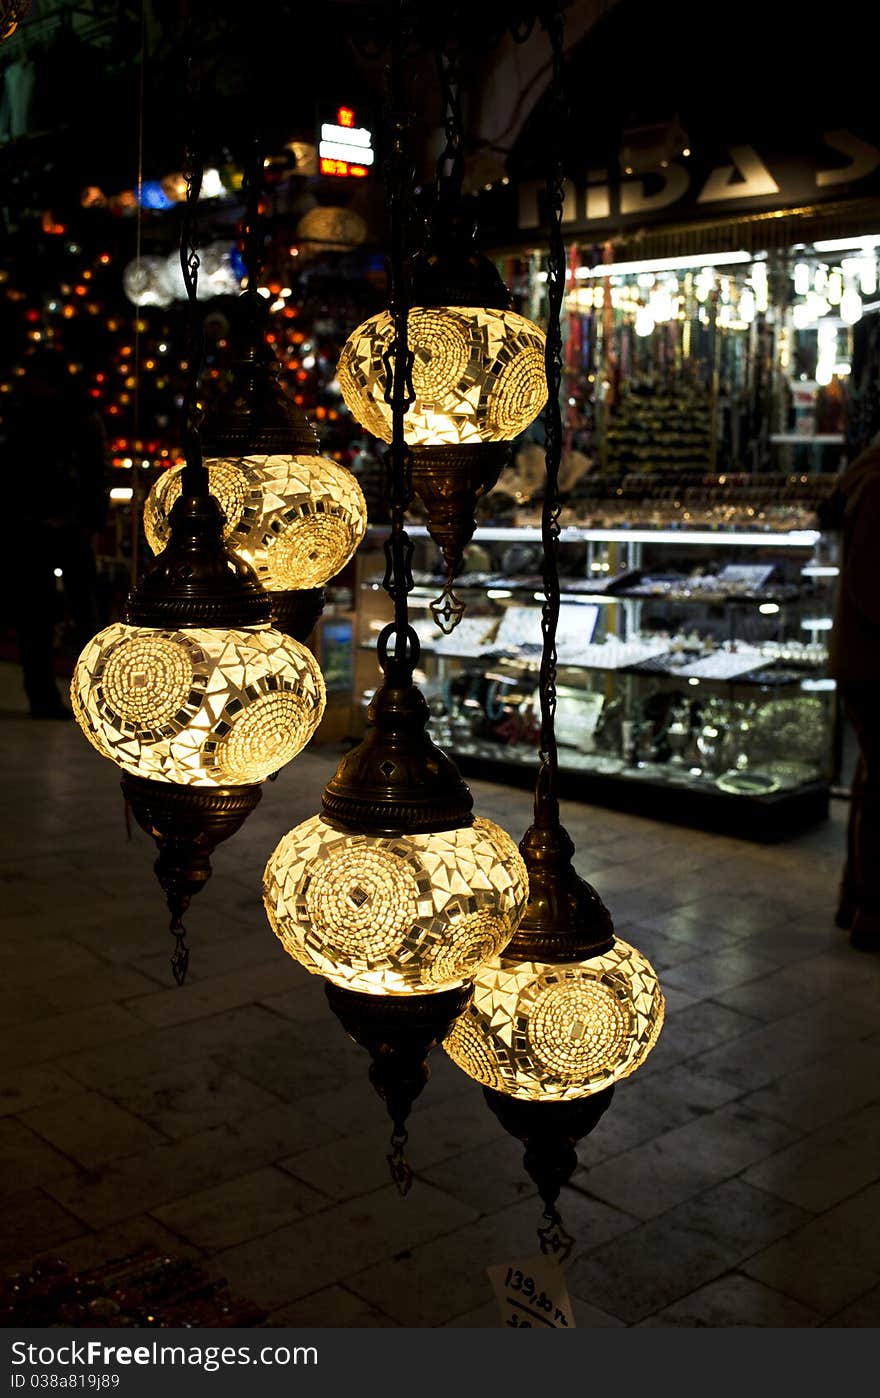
855, 664
54, 472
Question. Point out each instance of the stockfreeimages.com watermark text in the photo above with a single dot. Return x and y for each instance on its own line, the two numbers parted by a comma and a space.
92, 1354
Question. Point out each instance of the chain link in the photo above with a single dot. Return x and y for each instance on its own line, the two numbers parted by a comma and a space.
398, 359
553, 22
195, 472
450, 165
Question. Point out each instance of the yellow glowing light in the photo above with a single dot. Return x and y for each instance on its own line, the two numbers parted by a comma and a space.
553, 1032
296, 520
408, 914
198, 708
478, 375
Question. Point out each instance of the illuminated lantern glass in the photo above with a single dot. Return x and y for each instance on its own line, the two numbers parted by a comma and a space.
296, 520
330, 229
197, 707
145, 284
478, 375
406, 914
552, 1032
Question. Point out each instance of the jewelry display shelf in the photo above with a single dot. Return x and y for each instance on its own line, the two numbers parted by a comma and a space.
646, 790
636, 733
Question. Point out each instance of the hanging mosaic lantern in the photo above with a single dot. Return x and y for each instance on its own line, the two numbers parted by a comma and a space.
477, 379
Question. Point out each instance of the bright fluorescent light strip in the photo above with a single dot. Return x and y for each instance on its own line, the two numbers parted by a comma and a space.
358, 155
663, 264
121, 492
346, 135
816, 570
817, 623
868, 241
795, 538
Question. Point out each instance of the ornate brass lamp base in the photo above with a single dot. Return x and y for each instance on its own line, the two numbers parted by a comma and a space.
550, 1132
187, 824
398, 1032
449, 481
296, 611
565, 919
397, 779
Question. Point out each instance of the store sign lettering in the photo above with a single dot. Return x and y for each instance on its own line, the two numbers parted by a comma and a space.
746, 175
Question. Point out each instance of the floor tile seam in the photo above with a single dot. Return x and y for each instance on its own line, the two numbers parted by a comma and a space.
186, 1193
854, 1302
252, 1237
218, 1255
822, 1050
372, 1304
50, 1199
817, 1213
79, 1166
750, 980
170, 1228
419, 1177
692, 1228
277, 1103
806, 1132
770, 1286
194, 1018
700, 1116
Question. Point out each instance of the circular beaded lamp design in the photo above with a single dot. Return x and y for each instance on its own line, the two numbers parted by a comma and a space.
553, 1032
478, 375
296, 520
395, 915
198, 707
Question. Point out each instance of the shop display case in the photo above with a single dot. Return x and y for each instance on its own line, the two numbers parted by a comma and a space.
692, 665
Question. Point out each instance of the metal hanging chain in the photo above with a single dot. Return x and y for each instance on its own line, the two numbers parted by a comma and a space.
398, 362
553, 1238
194, 478
450, 163
398, 1165
546, 792
253, 184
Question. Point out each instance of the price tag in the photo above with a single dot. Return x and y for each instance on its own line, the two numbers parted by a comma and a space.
531, 1292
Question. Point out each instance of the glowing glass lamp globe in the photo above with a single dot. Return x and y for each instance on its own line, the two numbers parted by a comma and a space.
199, 707
195, 688
478, 375
296, 519
551, 1032
478, 380
568, 1009
407, 914
395, 889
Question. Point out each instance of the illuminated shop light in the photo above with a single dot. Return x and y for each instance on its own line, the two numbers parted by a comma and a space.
866, 241
663, 264
337, 151
345, 149
794, 538
347, 136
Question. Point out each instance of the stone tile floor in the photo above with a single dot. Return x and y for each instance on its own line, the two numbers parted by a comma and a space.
734, 1181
